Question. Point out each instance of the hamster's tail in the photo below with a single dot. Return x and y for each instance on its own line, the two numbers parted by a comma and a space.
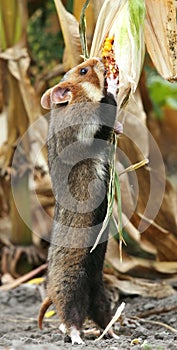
45, 305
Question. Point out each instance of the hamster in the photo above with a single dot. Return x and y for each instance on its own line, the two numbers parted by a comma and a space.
79, 156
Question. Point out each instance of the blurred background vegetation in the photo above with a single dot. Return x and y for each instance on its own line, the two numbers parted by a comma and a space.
43, 24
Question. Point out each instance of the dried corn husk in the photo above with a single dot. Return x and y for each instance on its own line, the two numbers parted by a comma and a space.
123, 20
161, 36
70, 30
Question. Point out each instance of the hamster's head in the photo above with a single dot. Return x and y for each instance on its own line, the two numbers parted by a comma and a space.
83, 83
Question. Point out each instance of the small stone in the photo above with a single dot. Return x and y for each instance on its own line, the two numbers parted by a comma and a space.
116, 327
56, 337
67, 339
17, 291
13, 302
124, 330
148, 306
160, 335
27, 328
172, 346
27, 340
33, 336
132, 325
4, 298
139, 332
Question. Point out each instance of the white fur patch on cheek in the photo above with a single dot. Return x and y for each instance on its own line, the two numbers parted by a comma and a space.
94, 94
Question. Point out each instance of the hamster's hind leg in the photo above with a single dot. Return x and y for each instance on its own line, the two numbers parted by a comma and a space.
99, 310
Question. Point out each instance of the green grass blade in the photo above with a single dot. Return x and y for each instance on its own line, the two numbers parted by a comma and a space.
119, 208
110, 194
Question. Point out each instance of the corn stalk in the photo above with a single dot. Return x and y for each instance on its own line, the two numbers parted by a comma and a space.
22, 109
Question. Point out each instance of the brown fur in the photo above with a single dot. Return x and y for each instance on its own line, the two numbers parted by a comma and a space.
73, 81
75, 283
95, 70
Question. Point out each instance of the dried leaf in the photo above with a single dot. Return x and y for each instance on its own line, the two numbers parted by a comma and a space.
18, 64
14, 53
137, 266
70, 30
130, 229
136, 142
157, 200
164, 241
163, 132
128, 202
97, 5
135, 166
138, 286
150, 182
161, 36
113, 257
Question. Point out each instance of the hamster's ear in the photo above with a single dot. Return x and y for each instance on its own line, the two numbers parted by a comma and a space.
60, 94
45, 99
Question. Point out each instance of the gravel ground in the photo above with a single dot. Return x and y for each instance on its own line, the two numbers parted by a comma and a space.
19, 331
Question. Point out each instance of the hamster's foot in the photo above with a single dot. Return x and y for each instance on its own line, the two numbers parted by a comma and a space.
75, 336
112, 334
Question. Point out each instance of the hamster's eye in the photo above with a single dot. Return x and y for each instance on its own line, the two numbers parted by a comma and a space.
83, 71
